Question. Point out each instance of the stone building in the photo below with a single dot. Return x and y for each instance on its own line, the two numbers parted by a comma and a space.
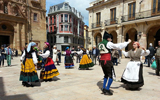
137, 20
66, 26
22, 21
86, 37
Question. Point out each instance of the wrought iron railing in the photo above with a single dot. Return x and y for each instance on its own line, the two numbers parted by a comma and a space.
97, 24
111, 21
141, 15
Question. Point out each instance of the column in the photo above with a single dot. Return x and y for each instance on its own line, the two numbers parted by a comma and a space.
23, 36
143, 40
18, 38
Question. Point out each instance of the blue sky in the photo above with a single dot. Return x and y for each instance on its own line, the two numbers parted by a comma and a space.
80, 5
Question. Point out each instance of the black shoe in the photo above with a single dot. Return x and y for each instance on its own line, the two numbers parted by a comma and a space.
49, 80
104, 91
109, 92
24, 83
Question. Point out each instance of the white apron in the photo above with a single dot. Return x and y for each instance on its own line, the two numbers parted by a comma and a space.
131, 73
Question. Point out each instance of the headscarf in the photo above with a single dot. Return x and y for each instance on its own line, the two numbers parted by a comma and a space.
67, 48
48, 45
36, 48
137, 44
30, 45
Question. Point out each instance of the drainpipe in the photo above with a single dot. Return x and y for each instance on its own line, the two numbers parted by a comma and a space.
28, 21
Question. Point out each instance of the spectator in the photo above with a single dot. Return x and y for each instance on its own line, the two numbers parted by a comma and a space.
146, 60
151, 49
120, 56
59, 56
8, 55
78, 55
115, 56
2, 56
90, 52
95, 53
16, 52
157, 56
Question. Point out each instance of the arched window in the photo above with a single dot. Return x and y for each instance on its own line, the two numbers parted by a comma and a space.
5, 8
66, 6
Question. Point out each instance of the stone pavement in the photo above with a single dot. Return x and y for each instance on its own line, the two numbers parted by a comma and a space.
74, 84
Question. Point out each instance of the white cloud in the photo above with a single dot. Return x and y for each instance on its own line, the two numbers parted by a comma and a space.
79, 5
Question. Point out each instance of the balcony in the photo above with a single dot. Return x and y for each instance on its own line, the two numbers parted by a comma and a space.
97, 24
141, 15
111, 22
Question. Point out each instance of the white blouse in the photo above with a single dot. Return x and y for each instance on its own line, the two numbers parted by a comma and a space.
46, 54
34, 57
118, 46
143, 53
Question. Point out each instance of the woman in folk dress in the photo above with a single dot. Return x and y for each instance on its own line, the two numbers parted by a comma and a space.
133, 74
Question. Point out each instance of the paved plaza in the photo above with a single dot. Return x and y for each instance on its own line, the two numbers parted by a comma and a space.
74, 84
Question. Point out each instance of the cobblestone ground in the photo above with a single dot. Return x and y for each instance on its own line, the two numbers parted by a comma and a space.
74, 84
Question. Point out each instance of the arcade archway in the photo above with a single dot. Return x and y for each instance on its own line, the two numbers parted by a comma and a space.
6, 33
114, 36
153, 36
131, 34
97, 38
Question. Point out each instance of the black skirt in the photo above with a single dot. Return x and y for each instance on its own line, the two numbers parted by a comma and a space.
135, 85
68, 60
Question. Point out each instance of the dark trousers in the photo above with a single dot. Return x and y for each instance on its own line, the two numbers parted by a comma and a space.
149, 61
158, 66
78, 58
59, 59
107, 68
2, 62
94, 58
115, 61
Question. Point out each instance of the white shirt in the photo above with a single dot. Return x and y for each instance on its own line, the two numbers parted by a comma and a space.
118, 46
46, 54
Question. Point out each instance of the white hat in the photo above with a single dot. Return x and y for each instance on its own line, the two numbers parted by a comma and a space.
150, 44
54, 46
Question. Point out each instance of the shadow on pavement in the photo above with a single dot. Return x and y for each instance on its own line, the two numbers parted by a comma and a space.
151, 73
12, 97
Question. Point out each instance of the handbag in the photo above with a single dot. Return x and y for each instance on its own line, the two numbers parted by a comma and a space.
154, 66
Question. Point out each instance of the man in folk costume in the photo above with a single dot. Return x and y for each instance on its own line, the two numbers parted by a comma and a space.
105, 51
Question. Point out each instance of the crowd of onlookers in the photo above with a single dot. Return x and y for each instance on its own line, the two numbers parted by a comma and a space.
7, 53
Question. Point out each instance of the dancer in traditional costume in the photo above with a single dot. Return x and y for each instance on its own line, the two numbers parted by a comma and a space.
107, 66
86, 61
29, 61
49, 71
133, 74
39, 64
68, 59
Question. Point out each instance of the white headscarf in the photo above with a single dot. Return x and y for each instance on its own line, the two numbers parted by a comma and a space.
30, 45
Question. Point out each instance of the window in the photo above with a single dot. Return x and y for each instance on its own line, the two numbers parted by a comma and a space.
50, 19
69, 18
98, 17
54, 19
61, 17
131, 7
70, 28
113, 15
55, 39
66, 28
35, 17
55, 29
61, 27
51, 29
66, 17
65, 39
155, 6
66, 6
5, 8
